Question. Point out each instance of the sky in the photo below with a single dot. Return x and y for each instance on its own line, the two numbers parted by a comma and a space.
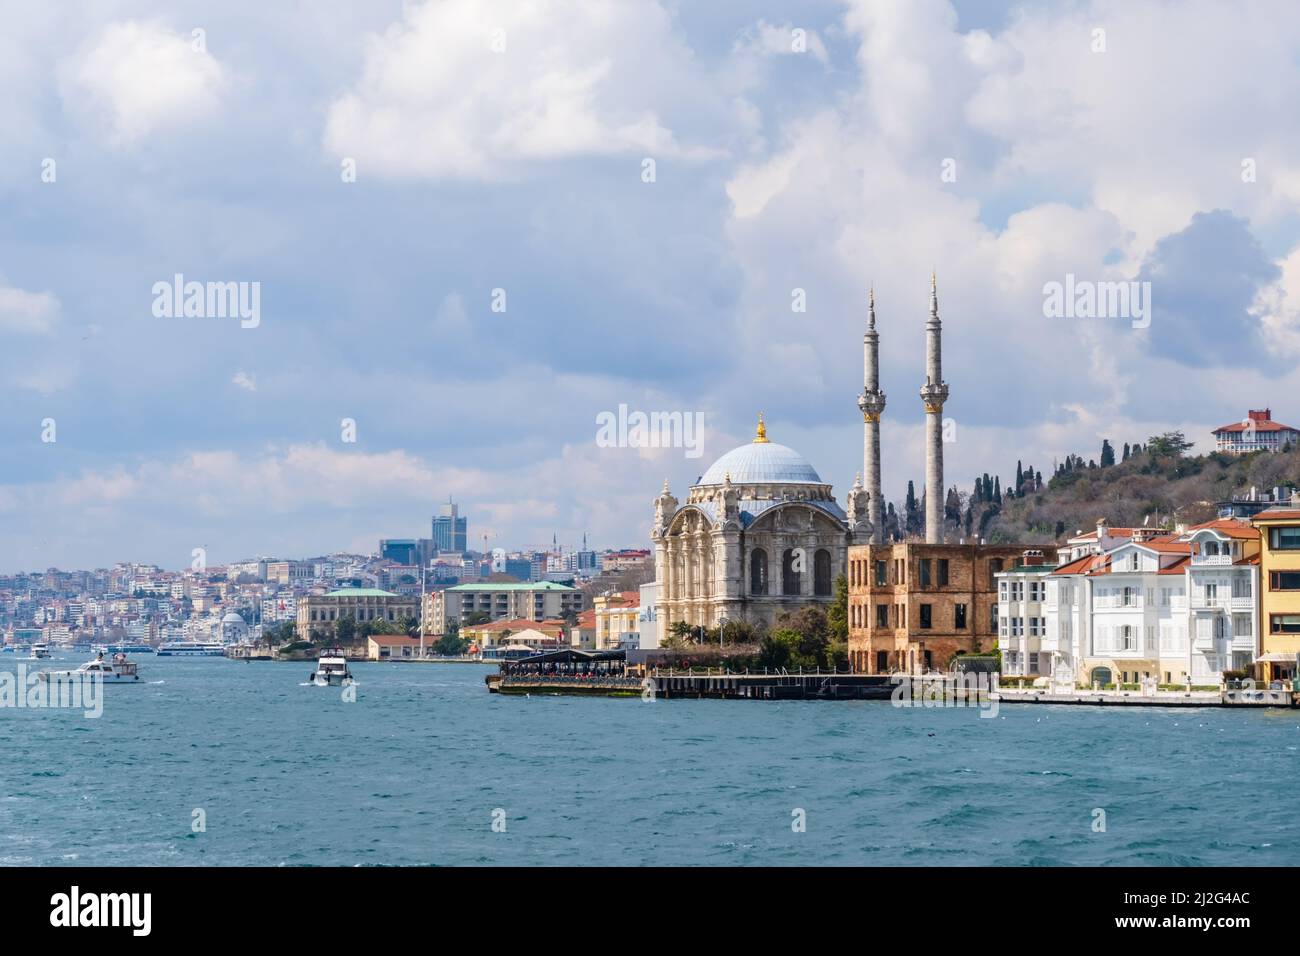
463, 260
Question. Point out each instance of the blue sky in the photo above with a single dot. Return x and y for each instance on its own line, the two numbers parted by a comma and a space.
521, 169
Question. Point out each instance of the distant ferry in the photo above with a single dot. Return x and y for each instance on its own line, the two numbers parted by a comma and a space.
40, 652
123, 648
192, 649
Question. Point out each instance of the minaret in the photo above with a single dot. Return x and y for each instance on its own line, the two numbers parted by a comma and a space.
872, 404
933, 394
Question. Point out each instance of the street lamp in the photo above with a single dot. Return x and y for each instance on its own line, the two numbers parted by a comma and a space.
722, 630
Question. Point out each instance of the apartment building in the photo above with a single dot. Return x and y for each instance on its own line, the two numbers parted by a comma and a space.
536, 601
1279, 529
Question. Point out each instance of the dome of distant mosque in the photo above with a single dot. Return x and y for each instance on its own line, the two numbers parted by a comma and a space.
762, 462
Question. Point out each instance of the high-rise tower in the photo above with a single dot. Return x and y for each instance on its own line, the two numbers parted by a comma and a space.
872, 404
933, 394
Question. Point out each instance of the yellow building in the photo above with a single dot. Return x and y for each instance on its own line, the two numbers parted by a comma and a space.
1279, 591
616, 614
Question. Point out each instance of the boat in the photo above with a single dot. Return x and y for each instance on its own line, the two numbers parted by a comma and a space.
331, 668
116, 671
7, 649
40, 652
192, 649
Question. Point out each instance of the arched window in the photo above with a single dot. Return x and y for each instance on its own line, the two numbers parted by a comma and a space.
822, 573
790, 571
758, 571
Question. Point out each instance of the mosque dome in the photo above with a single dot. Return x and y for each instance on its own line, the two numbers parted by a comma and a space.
762, 462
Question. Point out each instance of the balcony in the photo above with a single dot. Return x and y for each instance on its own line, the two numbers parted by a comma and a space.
1211, 560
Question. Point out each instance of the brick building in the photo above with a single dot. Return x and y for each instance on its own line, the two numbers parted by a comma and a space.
913, 606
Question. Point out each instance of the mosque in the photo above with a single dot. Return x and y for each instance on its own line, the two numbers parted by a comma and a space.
761, 534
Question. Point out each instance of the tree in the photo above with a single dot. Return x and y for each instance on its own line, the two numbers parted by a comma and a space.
911, 514
1168, 445
997, 491
837, 615
1107, 453
1125, 458
345, 629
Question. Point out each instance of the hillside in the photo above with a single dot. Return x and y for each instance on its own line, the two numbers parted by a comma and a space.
1146, 486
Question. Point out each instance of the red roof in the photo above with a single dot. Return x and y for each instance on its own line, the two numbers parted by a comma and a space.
1088, 564
1257, 419
1229, 526
1167, 546
517, 624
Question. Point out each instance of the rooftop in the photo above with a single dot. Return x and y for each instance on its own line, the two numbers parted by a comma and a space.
514, 586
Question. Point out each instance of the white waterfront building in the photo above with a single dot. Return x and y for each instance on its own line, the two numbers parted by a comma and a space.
1175, 609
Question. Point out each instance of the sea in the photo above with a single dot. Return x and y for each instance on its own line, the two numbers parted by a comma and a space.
209, 761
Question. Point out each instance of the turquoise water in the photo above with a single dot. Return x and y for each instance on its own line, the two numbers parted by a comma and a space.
412, 772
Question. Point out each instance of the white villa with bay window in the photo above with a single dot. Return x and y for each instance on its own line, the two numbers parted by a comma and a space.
1177, 610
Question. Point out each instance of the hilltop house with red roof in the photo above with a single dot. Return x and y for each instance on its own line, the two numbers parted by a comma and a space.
1256, 432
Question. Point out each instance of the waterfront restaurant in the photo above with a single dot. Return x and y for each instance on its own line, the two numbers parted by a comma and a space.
569, 664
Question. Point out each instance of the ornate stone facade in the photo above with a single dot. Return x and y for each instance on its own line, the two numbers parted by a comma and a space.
759, 535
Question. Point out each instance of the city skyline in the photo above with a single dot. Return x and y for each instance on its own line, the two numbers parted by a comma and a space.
862, 145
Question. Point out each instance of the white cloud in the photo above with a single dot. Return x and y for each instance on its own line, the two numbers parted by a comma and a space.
1278, 306
574, 79
136, 78
28, 313
245, 381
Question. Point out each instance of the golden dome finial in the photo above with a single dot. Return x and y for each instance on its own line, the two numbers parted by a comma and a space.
761, 437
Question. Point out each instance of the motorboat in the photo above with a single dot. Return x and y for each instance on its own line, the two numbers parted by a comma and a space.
331, 669
117, 670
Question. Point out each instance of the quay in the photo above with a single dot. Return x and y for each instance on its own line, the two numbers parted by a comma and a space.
1231, 697
609, 674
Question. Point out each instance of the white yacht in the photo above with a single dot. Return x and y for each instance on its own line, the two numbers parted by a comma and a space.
192, 649
40, 652
116, 671
331, 668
